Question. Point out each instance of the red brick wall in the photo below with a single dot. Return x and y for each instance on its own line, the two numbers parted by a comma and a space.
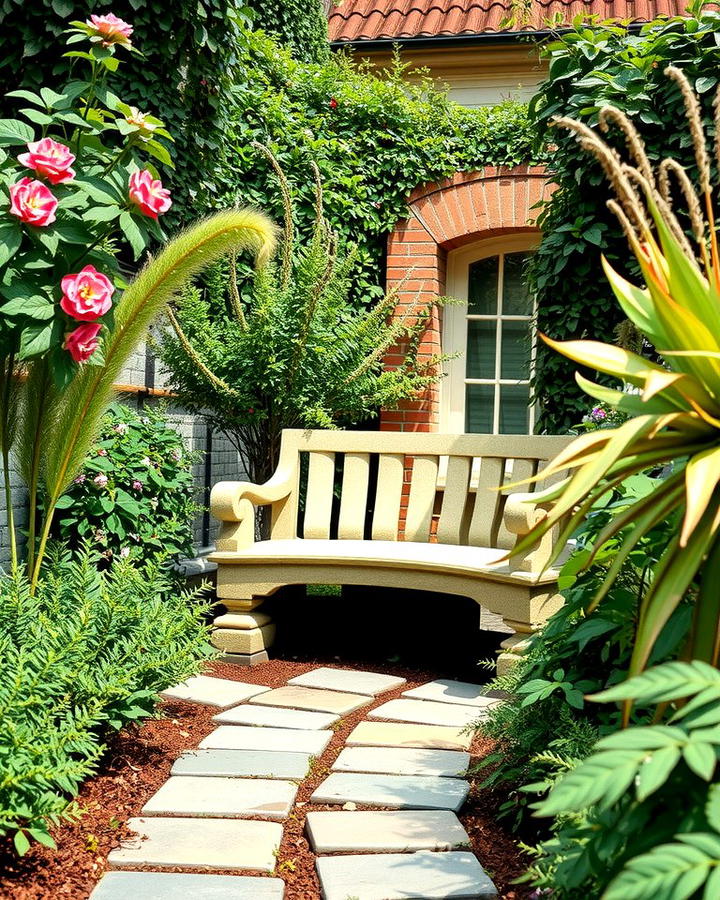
468, 207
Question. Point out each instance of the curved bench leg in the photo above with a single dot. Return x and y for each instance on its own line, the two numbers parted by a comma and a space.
245, 632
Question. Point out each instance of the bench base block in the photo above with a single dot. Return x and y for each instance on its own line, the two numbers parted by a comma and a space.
245, 659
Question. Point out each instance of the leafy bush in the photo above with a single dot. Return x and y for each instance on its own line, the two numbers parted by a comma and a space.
297, 354
134, 496
373, 139
83, 656
593, 65
301, 24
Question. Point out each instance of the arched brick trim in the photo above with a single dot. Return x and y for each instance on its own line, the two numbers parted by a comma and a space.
468, 207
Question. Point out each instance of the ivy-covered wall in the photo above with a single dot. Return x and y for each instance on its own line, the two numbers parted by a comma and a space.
302, 26
591, 67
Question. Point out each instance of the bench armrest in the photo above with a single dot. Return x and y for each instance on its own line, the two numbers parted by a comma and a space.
520, 516
234, 503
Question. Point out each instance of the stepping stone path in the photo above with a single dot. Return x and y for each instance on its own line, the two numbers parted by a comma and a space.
223, 805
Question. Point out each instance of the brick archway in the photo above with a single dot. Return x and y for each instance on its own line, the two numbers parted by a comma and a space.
469, 207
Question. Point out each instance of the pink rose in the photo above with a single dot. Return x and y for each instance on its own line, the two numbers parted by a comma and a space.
148, 195
87, 295
111, 29
32, 202
83, 341
50, 159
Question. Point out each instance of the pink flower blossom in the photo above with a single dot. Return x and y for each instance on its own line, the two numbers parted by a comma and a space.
150, 197
101, 480
87, 294
33, 203
49, 158
112, 29
121, 427
101, 451
139, 120
80, 478
137, 485
176, 455
83, 341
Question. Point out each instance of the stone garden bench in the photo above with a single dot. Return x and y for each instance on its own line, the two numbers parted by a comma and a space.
391, 509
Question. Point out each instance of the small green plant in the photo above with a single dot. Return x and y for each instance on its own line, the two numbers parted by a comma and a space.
299, 353
134, 497
83, 656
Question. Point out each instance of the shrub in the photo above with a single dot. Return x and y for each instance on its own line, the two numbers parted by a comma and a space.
298, 354
301, 25
134, 496
591, 66
82, 657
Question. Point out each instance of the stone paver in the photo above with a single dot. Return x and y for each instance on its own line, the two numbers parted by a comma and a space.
213, 691
176, 885
276, 716
395, 791
461, 692
354, 681
242, 764
189, 795
426, 712
241, 737
311, 698
394, 734
385, 832
400, 875
402, 761
199, 843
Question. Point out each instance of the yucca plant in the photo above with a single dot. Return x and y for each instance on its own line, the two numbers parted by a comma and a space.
674, 405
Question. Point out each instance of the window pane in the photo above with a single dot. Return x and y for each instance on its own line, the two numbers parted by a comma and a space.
479, 402
483, 287
516, 298
515, 350
514, 409
481, 348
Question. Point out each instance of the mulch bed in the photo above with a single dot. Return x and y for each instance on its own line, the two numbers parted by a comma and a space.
139, 759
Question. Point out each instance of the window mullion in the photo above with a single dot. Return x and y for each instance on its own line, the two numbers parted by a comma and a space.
498, 343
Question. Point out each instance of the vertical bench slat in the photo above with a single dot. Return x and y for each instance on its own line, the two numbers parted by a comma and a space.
353, 499
423, 488
486, 510
391, 470
521, 468
453, 525
318, 505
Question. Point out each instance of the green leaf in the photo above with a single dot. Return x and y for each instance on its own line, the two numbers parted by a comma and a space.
10, 240
22, 844
132, 232
156, 149
701, 759
63, 8
27, 95
669, 681
35, 339
65, 502
42, 837
655, 770
37, 116
705, 83
14, 132
35, 306
102, 214
73, 233
99, 190
127, 503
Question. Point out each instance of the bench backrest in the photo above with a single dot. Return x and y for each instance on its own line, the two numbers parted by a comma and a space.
356, 484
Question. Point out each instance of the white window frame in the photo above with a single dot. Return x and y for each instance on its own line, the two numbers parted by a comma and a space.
454, 330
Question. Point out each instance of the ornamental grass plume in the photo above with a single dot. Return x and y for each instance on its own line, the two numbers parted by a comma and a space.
675, 411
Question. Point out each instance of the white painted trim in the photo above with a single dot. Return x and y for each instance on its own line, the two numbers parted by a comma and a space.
455, 318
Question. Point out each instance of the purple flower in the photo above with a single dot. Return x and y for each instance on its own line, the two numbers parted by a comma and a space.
176, 455
599, 413
80, 478
101, 480
137, 485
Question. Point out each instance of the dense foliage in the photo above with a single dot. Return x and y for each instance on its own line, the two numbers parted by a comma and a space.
301, 24
134, 496
591, 66
189, 46
296, 353
82, 657
374, 141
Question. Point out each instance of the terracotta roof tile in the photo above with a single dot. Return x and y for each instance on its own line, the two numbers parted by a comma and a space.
362, 20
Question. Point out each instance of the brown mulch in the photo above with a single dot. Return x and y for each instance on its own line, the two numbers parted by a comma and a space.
138, 761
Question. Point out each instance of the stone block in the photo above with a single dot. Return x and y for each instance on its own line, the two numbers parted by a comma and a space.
352, 681
276, 716
393, 791
310, 698
396, 876
424, 712
175, 885
240, 737
199, 843
402, 761
460, 692
242, 621
242, 764
227, 798
395, 734
246, 659
210, 691
385, 831
245, 641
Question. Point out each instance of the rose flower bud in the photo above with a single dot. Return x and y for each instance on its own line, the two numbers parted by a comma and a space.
111, 29
87, 295
83, 341
139, 120
33, 203
150, 197
49, 158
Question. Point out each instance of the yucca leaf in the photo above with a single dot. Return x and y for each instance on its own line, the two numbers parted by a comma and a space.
636, 303
607, 358
702, 474
630, 404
